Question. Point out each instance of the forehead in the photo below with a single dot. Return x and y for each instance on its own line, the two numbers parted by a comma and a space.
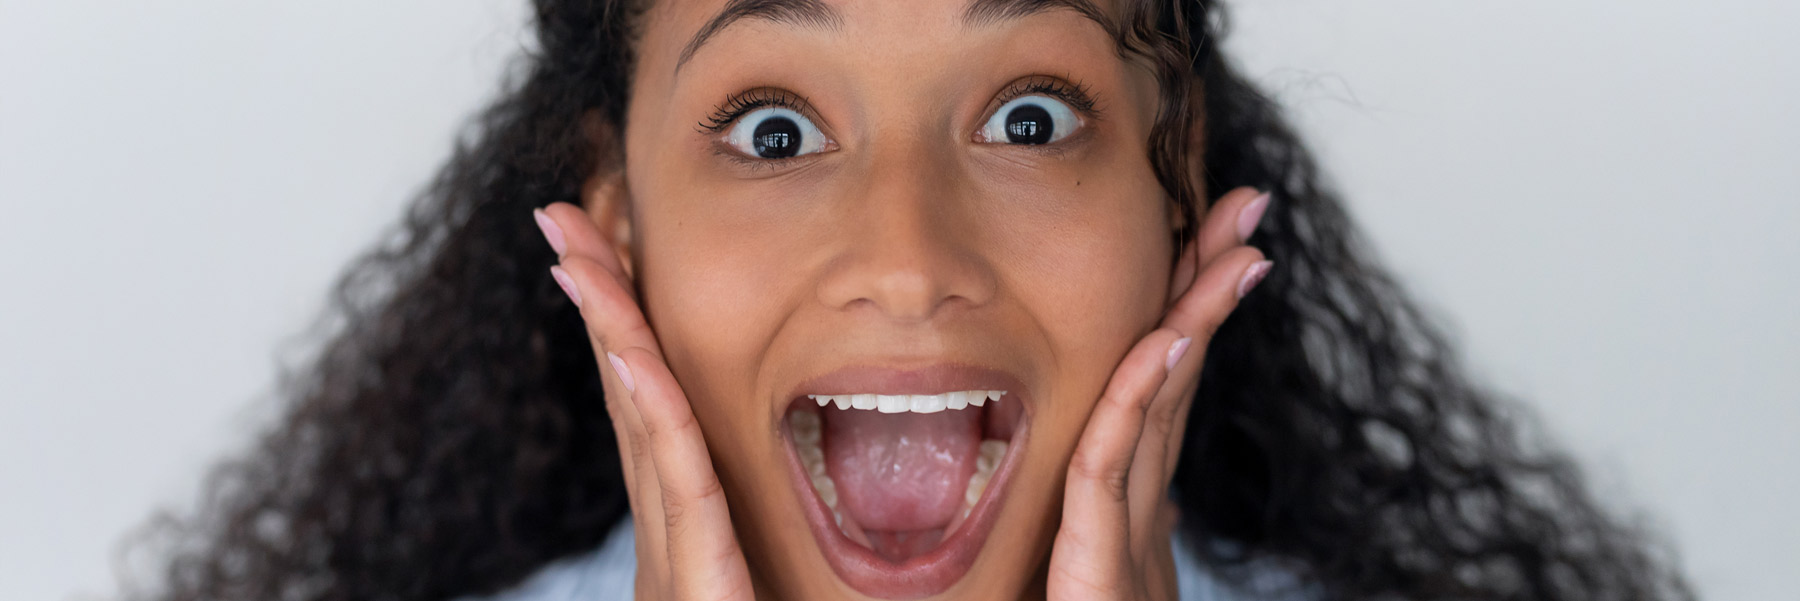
674, 32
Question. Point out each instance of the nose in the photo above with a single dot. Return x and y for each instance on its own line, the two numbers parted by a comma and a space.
911, 245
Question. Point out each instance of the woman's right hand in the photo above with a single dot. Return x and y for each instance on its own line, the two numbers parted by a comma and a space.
686, 546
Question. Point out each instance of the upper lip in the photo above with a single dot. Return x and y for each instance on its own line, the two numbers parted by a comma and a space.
930, 379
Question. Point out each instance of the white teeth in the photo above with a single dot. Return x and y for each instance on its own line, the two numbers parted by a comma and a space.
806, 428
905, 403
985, 464
991, 452
813, 458
892, 403
977, 485
929, 403
827, 490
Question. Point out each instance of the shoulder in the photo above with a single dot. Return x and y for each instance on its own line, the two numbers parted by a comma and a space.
604, 574
1264, 581
607, 573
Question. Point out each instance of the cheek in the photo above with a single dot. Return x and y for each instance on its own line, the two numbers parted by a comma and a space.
1091, 264
715, 297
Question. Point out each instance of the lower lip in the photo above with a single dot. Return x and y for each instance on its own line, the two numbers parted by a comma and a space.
922, 576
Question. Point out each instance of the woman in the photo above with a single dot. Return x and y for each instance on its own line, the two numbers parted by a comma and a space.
945, 299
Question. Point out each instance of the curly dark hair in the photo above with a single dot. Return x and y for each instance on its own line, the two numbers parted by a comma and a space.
449, 437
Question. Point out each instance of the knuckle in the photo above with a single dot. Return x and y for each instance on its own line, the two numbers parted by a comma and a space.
1161, 423
640, 450
682, 508
680, 425
1128, 398
1110, 476
1163, 415
1078, 582
1209, 321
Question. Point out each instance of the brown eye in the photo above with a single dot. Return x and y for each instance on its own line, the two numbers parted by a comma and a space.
1031, 120
775, 133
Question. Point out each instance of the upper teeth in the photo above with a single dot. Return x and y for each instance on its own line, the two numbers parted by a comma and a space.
916, 403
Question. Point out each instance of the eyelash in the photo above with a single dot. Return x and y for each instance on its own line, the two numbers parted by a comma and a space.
1077, 95
740, 103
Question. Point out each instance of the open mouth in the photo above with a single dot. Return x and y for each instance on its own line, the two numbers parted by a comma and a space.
903, 472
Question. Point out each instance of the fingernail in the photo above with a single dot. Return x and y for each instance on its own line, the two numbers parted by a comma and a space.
1253, 276
1176, 350
568, 284
1251, 215
623, 371
552, 233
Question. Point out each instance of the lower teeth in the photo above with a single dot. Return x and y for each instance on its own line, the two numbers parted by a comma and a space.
985, 464
806, 428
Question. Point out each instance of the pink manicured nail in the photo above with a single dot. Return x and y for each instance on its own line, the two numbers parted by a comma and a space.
1250, 216
568, 284
552, 233
624, 372
1253, 276
1176, 350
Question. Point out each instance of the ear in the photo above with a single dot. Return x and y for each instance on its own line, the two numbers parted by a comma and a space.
607, 201
1187, 266
1187, 269
605, 195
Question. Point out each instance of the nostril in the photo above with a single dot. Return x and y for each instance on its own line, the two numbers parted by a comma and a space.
906, 271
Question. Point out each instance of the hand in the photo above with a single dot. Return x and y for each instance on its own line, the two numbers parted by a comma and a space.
686, 547
1117, 522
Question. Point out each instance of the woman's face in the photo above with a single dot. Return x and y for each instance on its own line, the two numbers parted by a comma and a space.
897, 209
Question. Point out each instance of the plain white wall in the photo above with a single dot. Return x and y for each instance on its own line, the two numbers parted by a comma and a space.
1599, 195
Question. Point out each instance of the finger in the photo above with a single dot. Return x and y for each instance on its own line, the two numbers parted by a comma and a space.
1230, 222
1221, 228
1198, 315
703, 551
643, 489
575, 232
614, 321
1091, 554
1203, 308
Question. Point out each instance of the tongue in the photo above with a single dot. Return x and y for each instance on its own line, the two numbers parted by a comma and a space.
901, 473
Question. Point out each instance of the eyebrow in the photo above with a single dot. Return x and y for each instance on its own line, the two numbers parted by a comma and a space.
803, 13
989, 12
817, 15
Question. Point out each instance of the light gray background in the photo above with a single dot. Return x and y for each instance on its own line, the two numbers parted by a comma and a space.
1600, 195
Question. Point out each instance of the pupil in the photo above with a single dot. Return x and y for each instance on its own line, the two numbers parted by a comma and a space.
776, 138
1029, 124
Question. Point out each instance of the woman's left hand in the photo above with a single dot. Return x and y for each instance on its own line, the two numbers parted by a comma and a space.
1117, 522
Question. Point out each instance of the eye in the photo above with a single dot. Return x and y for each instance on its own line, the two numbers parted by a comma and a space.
775, 133
1031, 119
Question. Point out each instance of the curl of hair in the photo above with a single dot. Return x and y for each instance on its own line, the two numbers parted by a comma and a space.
449, 438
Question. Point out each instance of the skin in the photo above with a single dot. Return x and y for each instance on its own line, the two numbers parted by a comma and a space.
714, 285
